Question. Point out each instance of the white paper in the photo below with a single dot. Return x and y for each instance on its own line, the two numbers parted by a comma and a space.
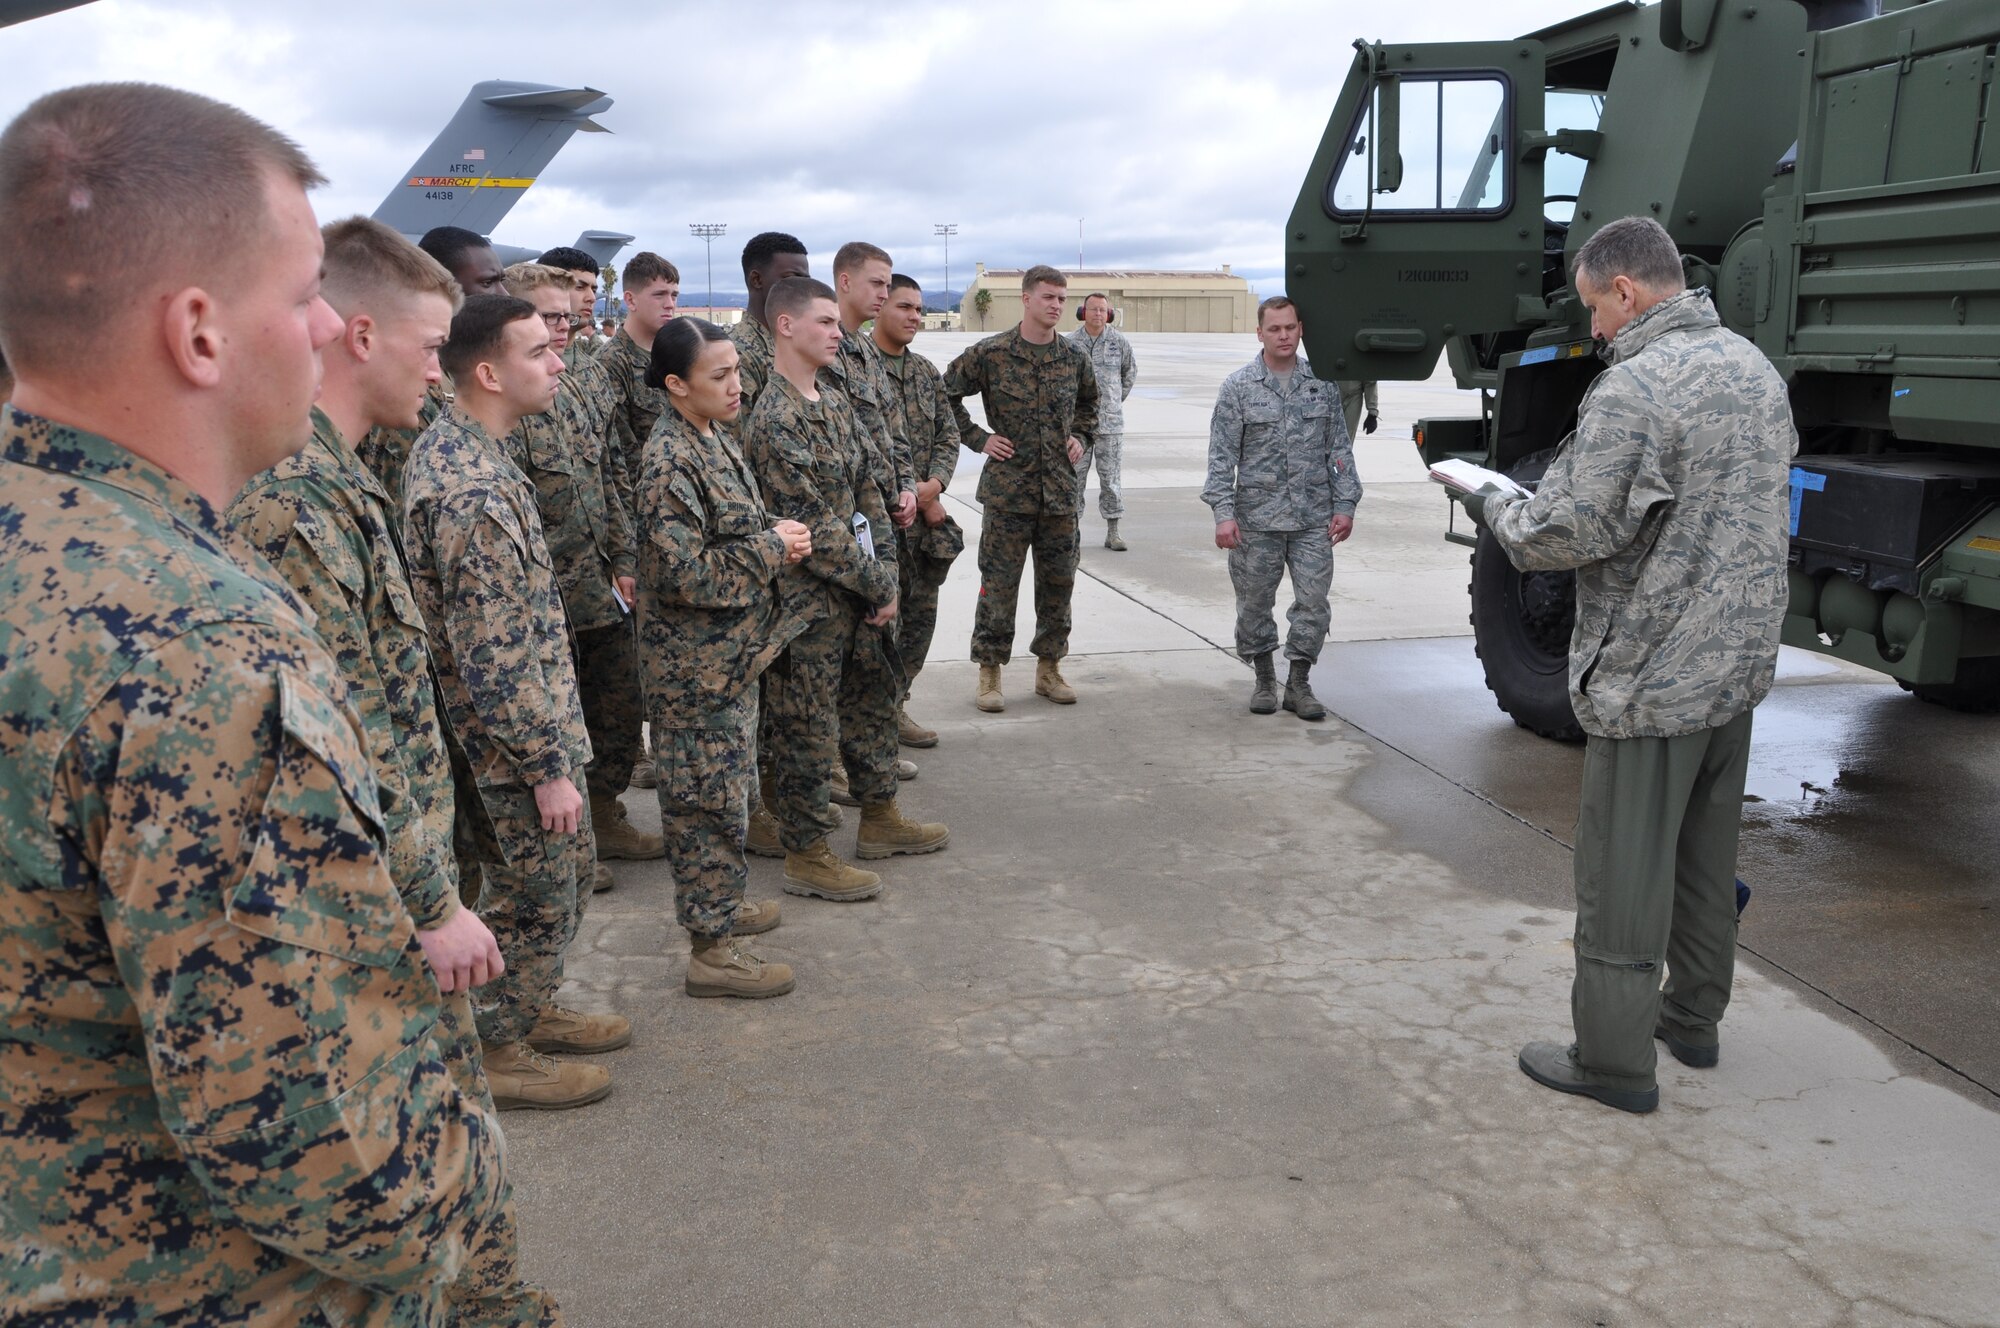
1468, 478
863, 535
623, 607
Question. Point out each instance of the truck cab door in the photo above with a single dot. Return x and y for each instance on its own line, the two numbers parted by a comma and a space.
1422, 215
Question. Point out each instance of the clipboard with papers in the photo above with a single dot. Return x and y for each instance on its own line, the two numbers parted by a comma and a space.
1464, 477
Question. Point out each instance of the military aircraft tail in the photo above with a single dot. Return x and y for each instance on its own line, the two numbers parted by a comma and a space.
501, 139
602, 245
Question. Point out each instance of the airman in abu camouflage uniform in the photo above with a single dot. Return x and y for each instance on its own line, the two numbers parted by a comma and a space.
835, 693
1282, 485
712, 618
1111, 360
319, 520
1670, 501
588, 532
934, 540
1040, 397
484, 580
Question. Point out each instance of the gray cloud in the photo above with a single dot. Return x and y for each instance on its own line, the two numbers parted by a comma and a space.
1179, 131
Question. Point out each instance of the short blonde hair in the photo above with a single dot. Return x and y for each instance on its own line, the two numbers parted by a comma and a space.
523, 279
366, 261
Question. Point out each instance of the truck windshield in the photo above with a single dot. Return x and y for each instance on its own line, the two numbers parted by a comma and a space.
1562, 175
1453, 127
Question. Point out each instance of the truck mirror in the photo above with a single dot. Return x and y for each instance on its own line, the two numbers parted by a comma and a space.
1388, 134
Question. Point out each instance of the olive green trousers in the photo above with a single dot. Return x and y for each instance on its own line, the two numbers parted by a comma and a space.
1655, 884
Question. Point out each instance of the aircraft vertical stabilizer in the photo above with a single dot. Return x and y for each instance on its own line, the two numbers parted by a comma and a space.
501, 139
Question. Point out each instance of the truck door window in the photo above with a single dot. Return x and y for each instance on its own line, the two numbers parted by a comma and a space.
1455, 131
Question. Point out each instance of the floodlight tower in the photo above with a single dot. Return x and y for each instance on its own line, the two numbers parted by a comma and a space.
708, 231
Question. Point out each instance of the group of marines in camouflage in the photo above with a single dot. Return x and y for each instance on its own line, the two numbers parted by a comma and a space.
336, 616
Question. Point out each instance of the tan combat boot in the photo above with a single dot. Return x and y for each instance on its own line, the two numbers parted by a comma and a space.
724, 966
645, 775
617, 837
1049, 682
523, 1079
838, 788
574, 1033
817, 872
885, 832
762, 836
756, 916
912, 734
989, 698
600, 878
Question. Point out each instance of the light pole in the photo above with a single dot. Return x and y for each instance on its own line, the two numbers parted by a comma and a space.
708, 230
946, 230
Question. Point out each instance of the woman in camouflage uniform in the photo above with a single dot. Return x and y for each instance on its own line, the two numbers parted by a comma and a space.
711, 619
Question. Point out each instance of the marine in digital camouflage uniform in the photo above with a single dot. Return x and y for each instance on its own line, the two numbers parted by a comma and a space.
712, 618
1039, 397
927, 551
319, 518
834, 695
634, 409
486, 585
218, 1014
589, 537
753, 362
1280, 465
858, 375
1671, 501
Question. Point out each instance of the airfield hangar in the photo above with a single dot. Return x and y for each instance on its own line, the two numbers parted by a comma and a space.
1155, 301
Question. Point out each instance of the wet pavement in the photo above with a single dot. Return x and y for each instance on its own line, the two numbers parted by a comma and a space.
1206, 1018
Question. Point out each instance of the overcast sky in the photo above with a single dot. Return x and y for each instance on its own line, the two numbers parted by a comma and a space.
1179, 130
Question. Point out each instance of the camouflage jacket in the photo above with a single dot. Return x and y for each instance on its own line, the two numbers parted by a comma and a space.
932, 430
221, 1100
487, 587
576, 477
1038, 397
319, 519
857, 374
1279, 460
635, 409
812, 462
1672, 502
713, 612
386, 452
1110, 356
753, 362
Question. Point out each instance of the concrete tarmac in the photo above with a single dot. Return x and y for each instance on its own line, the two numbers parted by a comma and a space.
1210, 1018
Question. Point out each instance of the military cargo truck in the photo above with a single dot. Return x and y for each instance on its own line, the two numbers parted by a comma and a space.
1831, 172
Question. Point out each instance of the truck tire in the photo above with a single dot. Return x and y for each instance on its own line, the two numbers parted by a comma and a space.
1521, 625
1976, 689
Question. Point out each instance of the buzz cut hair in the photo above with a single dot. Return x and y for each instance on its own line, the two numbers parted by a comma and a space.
1041, 274
793, 296
478, 330
448, 244
570, 259
111, 189
904, 281
366, 262
857, 254
1274, 302
1635, 247
644, 268
523, 279
767, 245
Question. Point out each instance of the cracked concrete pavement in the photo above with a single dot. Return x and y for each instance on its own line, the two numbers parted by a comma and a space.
1206, 1018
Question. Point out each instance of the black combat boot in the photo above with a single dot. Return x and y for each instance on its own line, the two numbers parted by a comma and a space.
1299, 698
1264, 697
